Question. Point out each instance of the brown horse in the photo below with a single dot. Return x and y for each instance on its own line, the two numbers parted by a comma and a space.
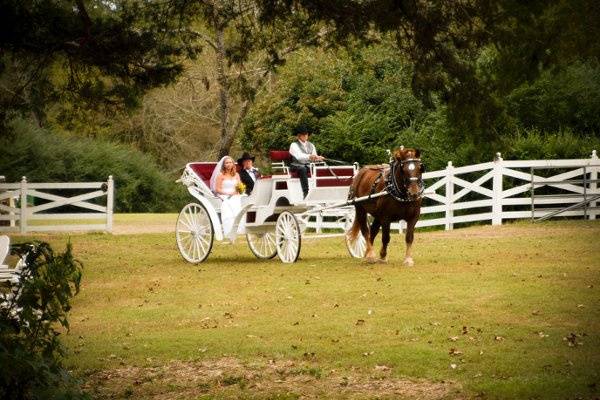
402, 179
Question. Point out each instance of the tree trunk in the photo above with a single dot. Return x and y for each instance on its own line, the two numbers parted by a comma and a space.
224, 141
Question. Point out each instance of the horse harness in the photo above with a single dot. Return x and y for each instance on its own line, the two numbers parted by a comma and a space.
398, 191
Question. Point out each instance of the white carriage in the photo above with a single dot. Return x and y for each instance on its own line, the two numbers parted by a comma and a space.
275, 214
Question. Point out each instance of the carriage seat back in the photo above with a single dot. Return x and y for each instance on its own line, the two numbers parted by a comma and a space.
280, 156
280, 159
204, 170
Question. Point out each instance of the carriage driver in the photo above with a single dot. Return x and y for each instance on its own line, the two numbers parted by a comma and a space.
303, 152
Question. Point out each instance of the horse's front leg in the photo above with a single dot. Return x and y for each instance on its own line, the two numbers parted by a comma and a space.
410, 235
385, 240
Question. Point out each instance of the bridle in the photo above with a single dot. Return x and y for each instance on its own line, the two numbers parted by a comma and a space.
400, 192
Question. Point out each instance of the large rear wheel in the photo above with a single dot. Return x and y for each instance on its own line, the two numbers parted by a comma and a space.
287, 237
194, 232
262, 244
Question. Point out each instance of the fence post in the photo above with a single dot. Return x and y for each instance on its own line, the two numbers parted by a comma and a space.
449, 195
593, 184
109, 203
23, 217
497, 191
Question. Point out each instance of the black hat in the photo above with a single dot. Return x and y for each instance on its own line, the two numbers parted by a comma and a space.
245, 156
301, 129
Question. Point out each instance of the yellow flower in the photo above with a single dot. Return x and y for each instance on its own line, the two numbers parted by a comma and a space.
241, 188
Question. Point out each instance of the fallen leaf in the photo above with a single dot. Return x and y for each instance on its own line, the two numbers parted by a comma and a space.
453, 338
382, 368
453, 366
360, 322
454, 352
498, 338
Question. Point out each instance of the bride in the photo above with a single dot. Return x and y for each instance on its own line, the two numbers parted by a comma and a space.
223, 183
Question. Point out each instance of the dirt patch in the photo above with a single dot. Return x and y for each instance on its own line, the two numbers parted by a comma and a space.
230, 378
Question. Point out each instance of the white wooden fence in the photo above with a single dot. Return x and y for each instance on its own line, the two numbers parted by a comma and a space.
501, 190
17, 215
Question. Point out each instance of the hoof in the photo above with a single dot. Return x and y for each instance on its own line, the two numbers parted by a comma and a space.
382, 260
409, 262
371, 260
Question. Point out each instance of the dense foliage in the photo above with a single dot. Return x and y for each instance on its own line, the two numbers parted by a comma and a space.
30, 315
359, 103
86, 54
44, 156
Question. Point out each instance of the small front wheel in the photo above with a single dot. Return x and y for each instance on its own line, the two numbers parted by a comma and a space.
287, 237
194, 232
262, 244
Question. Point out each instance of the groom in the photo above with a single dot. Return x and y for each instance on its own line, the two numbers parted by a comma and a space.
248, 174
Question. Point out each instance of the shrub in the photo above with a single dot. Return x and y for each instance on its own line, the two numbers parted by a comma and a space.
45, 156
30, 351
534, 144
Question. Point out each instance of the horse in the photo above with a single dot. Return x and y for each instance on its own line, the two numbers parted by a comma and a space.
402, 179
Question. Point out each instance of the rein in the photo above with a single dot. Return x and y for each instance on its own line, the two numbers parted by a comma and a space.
400, 192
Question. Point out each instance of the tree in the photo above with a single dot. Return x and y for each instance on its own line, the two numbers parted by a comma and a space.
470, 53
95, 54
246, 54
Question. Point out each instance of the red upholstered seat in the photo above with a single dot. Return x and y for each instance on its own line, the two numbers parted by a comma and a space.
279, 155
205, 169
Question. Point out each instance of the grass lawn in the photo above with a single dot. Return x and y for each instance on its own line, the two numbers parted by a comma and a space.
487, 312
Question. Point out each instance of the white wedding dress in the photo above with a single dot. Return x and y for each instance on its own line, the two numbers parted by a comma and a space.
232, 202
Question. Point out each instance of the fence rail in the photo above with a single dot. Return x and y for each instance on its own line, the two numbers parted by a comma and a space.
24, 206
501, 190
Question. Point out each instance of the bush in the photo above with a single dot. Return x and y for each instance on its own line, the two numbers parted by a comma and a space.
30, 352
534, 145
45, 156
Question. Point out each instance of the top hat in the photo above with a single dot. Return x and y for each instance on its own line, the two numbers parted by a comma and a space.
302, 128
245, 156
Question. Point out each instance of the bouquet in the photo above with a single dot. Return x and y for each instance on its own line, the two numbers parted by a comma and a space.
240, 188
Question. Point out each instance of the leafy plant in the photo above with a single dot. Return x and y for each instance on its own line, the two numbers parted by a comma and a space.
46, 156
30, 313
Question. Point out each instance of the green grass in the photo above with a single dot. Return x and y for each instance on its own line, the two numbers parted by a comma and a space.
502, 300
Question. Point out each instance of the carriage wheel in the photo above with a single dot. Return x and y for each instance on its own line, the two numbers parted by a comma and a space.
194, 232
357, 247
262, 244
287, 237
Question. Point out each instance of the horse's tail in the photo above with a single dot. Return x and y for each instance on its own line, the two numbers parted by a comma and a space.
355, 228
359, 212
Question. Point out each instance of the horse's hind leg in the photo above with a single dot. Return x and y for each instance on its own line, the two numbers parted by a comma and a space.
361, 218
385, 240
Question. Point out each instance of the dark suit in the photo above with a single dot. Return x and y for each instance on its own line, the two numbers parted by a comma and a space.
247, 179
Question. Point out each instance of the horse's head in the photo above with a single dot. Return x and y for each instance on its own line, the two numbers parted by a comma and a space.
408, 172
